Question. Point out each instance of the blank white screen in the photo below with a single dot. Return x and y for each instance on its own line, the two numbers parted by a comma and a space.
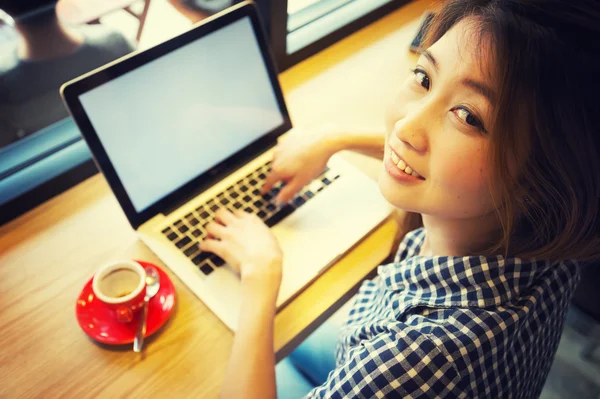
166, 122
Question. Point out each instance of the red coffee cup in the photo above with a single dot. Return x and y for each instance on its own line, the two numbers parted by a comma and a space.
122, 287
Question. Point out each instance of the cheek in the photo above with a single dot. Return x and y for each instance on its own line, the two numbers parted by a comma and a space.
463, 176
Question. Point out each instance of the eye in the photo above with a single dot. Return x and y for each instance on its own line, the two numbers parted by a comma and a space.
469, 118
421, 78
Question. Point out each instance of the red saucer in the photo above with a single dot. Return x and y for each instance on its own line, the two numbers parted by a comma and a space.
101, 324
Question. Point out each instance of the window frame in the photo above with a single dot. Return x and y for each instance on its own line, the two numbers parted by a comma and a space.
279, 23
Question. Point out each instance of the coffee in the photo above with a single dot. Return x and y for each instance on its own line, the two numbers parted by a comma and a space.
119, 283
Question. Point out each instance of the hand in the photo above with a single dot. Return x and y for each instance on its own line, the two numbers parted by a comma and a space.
247, 244
300, 157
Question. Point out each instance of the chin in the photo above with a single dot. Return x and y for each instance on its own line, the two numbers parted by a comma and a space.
392, 194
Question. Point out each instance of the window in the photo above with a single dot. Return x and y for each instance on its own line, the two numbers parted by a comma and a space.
311, 20
312, 25
45, 43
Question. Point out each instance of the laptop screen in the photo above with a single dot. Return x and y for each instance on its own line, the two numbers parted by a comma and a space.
172, 119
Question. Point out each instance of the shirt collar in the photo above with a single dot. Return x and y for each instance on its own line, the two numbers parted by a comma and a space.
444, 281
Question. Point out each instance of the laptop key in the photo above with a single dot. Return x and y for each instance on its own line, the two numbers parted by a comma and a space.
298, 201
262, 176
183, 228
261, 214
279, 216
309, 194
256, 191
224, 201
183, 242
199, 258
172, 236
196, 233
247, 198
192, 249
237, 205
206, 269
271, 207
258, 203
204, 214
253, 182
194, 221
234, 195
248, 209
167, 230
217, 261
326, 181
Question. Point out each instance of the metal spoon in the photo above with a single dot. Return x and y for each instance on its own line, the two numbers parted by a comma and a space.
152, 286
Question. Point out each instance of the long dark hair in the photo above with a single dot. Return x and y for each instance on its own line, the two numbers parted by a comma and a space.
547, 120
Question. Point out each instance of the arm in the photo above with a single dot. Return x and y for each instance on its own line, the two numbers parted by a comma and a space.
251, 369
301, 155
248, 246
365, 141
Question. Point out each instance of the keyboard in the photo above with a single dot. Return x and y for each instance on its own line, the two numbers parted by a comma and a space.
187, 232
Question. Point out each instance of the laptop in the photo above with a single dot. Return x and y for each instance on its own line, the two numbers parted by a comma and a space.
184, 128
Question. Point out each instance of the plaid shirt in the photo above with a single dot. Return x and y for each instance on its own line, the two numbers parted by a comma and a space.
456, 327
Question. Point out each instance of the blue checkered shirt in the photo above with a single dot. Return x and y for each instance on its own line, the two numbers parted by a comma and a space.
452, 327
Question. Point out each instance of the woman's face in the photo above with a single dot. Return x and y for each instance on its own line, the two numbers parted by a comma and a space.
437, 125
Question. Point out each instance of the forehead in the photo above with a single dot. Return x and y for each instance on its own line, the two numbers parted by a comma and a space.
465, 51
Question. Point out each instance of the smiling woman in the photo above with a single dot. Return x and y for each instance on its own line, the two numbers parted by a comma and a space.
492, 141
543, 144
437, 125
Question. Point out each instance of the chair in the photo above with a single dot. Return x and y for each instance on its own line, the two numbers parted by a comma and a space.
76, 12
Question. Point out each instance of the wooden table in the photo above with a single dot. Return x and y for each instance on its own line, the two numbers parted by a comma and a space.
49, 253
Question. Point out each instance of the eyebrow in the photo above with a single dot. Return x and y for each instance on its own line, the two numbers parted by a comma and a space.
479, 87
431, 59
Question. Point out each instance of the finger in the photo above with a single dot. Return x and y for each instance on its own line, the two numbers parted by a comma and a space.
272, 178
216, 230
242, 214
289, 191
216, 247
225, 216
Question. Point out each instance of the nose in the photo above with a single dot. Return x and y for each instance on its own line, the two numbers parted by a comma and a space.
412, 128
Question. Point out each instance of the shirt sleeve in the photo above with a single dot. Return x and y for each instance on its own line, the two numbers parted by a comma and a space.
406, 364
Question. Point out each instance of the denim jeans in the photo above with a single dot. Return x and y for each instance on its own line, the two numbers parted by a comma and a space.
309, 365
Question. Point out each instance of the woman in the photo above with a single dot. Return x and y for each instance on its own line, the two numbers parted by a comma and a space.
493, 141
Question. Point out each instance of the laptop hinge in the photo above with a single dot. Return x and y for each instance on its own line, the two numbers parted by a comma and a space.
200, 189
